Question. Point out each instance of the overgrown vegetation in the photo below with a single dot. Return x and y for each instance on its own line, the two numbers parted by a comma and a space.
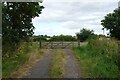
57, 70
99, 58
17, 28
27, 52
17, 24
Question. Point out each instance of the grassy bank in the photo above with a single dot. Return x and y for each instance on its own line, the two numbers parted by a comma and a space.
25, 55
57, 69
98, 59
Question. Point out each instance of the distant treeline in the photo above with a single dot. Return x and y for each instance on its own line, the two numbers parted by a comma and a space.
54, 38
82, 36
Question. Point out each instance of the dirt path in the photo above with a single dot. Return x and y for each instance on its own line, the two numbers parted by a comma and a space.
71, 67
41, 68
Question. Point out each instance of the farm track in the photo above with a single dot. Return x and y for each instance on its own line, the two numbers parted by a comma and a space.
42, 68
71, 67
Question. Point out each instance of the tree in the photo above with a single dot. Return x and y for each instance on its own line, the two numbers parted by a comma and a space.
63, 38
84, 34
112, 23
17, 23
40, 38
17, 20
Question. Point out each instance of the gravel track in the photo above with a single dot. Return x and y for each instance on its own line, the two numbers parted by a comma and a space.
71, 67
42, 68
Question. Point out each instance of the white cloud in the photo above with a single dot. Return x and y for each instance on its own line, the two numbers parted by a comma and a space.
67, 17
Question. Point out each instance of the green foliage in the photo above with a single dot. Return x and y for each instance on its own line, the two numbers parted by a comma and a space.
99, 58
103, 46
112, 23
106, 47
40, 37
11, 64
63, 38
93, 36
17, 22
26, 52
84, 34
54, 38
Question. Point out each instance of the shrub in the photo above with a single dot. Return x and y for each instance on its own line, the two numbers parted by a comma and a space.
106, 47
103, 46
99, 58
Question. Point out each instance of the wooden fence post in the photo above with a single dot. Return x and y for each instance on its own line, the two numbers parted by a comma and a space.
78, 43
40, 44
73, 43
62, 44
51, 44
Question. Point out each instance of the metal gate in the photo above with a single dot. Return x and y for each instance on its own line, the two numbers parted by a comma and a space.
58, 44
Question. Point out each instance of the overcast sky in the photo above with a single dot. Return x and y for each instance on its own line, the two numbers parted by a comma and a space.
69, 16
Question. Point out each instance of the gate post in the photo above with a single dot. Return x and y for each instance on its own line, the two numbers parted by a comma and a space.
78, 43
62, 44
73, 43
51, 44
40, 44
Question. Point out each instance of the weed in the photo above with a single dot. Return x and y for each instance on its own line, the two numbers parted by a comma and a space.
98, 59
22, 55
57, 70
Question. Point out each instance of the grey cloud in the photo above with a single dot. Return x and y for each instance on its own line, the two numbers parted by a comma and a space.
65, 11
75, 15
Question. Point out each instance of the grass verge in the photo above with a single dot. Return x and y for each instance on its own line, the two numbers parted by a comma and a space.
57, 69
97, 63
18, 65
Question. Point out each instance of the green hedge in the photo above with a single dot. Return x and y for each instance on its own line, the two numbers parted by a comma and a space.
99, 58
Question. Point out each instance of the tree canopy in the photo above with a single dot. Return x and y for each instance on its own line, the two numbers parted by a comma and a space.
40, 37
54, 38
84, 34
17, 20
112, 23
63, 38
17, 24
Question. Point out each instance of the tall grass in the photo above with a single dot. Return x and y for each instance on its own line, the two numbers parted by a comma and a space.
57, 69
21, 56
99, 58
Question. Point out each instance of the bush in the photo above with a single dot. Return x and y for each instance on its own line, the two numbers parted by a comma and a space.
103, 46
18, 58
106, 47
99, 58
